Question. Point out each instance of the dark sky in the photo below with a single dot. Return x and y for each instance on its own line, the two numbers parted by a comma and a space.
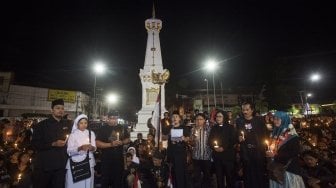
54, 43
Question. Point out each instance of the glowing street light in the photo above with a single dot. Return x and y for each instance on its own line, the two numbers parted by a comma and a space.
111, 99
315, 77
309, 94
99, 68
211, 66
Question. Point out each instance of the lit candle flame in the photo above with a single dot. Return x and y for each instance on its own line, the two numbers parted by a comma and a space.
216, 144
66, 137
15, 145
243, 135
19, 177
268, 146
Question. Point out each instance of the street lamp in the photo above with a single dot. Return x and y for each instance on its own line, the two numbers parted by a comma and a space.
111, 99
211, 66
315, 77
98, 68
207, 86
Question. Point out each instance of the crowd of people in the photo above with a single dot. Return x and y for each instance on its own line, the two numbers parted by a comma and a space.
194, 150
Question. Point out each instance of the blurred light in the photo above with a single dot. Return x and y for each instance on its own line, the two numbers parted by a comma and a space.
315, 77
99, 68
309, 95
211, 65
112, 98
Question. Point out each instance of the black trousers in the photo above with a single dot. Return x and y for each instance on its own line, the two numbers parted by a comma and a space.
254, 170
50, 179
112, 173
224, 169
201, 166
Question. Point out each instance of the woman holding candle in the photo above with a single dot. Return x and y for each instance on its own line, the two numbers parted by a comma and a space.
22, 174
221, 141
286, 151
79, 144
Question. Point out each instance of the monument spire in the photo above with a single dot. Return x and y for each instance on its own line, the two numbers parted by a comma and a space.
153, 77
153, 11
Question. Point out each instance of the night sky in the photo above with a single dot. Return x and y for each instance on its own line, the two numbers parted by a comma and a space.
277, 43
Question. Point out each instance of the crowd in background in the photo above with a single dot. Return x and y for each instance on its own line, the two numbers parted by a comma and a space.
147, 164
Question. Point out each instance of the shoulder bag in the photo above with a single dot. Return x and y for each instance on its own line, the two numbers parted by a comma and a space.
81, 170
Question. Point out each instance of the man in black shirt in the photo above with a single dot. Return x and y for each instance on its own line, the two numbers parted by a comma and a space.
49, 139
252, 133
110, 139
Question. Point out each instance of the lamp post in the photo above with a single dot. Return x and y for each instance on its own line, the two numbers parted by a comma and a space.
315, 77
211, 66
98, 68
207, 88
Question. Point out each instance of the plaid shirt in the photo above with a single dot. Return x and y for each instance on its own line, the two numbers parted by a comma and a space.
201, 149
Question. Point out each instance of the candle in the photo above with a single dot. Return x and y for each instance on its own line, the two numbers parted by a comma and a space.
19, 177
66, 137
243, 135
268, 146
15, 145
216, 144
30, 160
196, 133
117, 136
314, 144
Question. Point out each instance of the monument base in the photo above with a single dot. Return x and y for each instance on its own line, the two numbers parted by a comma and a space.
141, 127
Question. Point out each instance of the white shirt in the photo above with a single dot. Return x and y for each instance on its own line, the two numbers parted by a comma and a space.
76, 139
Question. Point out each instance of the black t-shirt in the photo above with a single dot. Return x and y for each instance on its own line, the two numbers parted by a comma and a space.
108, 134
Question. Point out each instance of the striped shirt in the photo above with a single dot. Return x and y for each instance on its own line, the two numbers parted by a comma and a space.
201, 149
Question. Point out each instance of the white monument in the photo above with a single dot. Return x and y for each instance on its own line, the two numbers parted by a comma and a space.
150, 75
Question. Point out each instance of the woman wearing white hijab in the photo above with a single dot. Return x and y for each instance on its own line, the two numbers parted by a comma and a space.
78, 145
134, 157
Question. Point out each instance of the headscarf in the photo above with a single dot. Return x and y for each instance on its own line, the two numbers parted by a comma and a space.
285, 124
78, 118
134, 158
